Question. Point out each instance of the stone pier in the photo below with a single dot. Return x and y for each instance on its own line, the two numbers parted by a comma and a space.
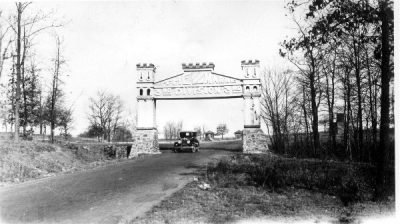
145, 141
255, 141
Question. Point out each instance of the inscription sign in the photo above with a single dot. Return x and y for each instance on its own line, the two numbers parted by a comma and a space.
198, 78
198, 85
198, 91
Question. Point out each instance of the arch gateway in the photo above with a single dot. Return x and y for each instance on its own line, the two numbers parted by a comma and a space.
198, 81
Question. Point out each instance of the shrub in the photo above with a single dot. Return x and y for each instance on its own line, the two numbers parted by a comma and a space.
347, 181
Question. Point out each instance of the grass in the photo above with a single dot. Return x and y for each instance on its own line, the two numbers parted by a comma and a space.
267, 187
25, 160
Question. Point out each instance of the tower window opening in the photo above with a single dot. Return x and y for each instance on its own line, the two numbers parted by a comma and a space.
255, 88
247, 88
148, 92
141, 92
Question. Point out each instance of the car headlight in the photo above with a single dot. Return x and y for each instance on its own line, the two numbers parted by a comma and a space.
188, 142
180, 141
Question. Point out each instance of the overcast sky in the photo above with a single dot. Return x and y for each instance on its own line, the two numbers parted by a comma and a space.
103, 41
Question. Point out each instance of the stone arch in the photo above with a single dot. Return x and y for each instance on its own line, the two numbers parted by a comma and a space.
247, 88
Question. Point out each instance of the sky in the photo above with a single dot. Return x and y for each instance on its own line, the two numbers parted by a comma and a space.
103, 42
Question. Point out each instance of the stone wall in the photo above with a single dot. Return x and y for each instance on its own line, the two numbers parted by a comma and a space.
145, 141
255, 141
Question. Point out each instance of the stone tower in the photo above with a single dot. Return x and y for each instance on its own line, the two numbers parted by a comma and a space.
146, 136
254, 139
251, 93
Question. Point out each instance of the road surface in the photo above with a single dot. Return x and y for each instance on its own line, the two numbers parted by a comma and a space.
108, 194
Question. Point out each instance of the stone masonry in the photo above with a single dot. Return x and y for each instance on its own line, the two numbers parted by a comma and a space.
254, 141
145, 141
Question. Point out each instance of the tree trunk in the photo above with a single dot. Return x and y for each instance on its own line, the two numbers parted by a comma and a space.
55, 91
359, 114
305, 116
348, 115
372, 99
18, 83
385, 101
24, 91
314, 110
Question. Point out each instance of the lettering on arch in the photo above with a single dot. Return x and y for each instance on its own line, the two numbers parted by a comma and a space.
203, 84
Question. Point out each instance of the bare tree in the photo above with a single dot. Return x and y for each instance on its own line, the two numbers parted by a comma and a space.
172, 129
309, 65
106, 112
277, 106
222, 129
168, 130
4, 46
55, 91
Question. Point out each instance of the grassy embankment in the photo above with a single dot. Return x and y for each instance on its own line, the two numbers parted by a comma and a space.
267, 187
25, 160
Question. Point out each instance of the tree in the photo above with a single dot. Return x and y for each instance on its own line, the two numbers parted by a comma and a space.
4, 46
55, 88
65, 120
366, 23
172, 129
3, 106
309, 65
92, 131
277, 106
360, 33
25, 28
20, 9
122, 134
222, 129
106, 112
386, 18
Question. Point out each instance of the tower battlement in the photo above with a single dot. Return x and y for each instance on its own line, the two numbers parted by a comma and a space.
251, 62
145, 65
250, 68
198, 66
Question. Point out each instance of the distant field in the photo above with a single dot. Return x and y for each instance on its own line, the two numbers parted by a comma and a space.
232, 145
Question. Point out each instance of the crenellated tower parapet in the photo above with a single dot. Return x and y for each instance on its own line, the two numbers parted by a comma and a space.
145, 80
251, 69
191, 67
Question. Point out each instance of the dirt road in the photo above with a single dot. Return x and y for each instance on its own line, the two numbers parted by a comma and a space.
104, 195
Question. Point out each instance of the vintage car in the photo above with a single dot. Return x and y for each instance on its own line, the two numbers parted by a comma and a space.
187, 141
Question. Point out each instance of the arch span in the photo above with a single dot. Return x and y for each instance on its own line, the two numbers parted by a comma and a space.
199, 81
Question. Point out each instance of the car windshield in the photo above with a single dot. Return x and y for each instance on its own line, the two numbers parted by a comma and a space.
187, 134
